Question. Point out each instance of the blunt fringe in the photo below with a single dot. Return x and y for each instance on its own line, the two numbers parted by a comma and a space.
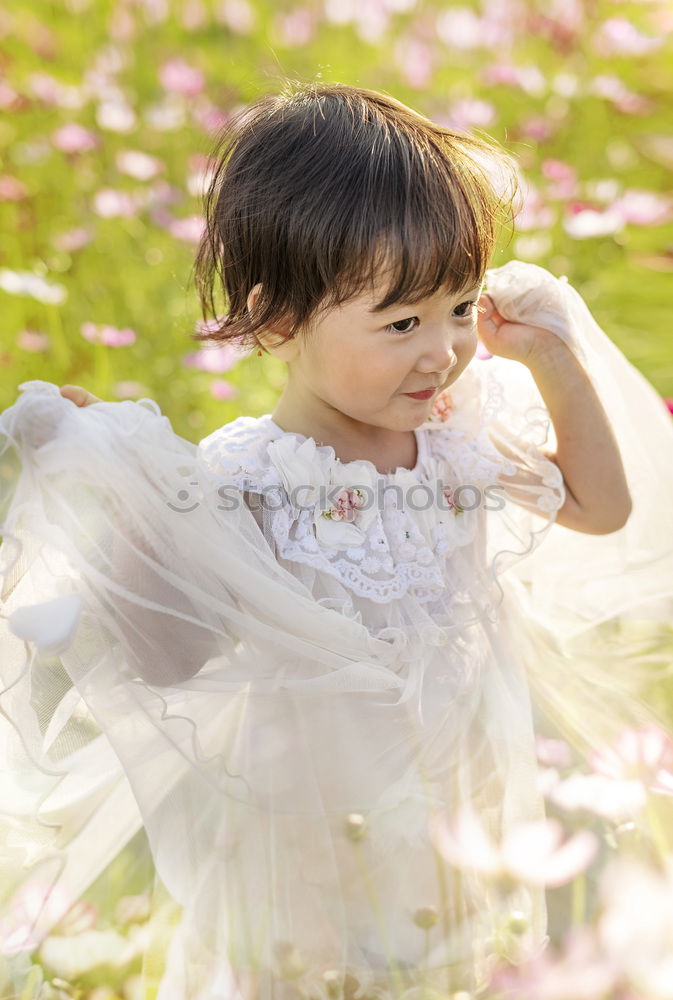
323, 189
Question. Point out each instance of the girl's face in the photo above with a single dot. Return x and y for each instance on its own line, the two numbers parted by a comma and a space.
363, 365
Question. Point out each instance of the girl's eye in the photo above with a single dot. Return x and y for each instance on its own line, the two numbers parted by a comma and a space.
471, 306
467, 313
393, 327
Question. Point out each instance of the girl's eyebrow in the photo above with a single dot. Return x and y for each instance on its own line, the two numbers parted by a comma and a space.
475, 289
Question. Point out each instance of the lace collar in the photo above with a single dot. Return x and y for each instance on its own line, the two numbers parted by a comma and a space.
347, 518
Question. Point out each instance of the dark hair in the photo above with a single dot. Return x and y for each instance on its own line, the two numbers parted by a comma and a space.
320, 189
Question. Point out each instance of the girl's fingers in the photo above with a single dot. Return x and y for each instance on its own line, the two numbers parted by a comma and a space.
78, 395
489, 318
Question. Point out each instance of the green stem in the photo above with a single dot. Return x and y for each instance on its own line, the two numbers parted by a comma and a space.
579, 899
57, 335
398, 979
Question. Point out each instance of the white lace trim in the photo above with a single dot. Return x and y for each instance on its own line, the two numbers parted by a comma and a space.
402, 550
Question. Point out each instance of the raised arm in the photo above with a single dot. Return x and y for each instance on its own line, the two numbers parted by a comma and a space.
597, 495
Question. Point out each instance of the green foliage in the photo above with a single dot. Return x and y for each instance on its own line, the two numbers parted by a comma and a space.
135, 273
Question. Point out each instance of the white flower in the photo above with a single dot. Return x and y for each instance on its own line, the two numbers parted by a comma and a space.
27, 283
314, 478
302, 469
70, 957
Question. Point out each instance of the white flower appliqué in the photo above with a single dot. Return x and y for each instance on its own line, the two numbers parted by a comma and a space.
341, 494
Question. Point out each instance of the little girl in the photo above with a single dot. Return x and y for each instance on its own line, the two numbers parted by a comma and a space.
299, 657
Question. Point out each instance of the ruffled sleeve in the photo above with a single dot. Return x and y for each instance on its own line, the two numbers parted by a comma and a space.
590, 613
580, 580
493, 432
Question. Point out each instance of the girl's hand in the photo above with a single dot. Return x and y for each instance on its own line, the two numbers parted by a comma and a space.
78, 395
516, 341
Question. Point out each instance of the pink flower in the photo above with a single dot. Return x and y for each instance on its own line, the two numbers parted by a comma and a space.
201, 169
116, 115
469, 111
598, 795
348, 501
108, 335
564, 177
208, 116
643, 208
220, 359
221, 389
613, 89
48, 90
193, 15
130, 389
9, 98
297, 27
528, 78
28, 904
461, 28
190, 229
669, 404
163, 193
74, 138
645, 754
109, 203
580, 970
73, 239
138, 164
588, 222
619, 36
12, 189
529, 853
209, 325
534, 212
415, 61
554, 753
181, 78
449, 497
237, 15
538, 127
442, 408
33, 340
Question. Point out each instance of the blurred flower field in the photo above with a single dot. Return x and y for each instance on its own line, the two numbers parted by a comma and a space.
109, 109
108, 113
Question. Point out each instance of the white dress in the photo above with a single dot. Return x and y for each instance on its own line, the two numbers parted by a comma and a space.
293, 687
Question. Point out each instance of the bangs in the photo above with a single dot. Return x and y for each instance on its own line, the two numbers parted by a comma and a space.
331, 192
430, 222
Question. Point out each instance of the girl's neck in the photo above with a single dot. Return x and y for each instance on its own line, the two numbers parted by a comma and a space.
386, 449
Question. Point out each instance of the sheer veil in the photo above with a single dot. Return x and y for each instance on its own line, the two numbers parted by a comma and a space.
164, 677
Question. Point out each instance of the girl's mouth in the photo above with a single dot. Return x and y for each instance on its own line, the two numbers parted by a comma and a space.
425, 394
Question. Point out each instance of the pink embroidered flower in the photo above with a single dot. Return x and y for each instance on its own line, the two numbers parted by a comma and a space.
449, 497
442, 408
348, 501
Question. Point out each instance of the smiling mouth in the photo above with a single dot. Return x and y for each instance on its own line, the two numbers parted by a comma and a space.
422, 394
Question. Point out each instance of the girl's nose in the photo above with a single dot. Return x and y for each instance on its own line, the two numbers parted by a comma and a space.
441, 358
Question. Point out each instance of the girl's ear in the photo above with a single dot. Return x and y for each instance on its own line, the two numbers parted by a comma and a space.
271, 340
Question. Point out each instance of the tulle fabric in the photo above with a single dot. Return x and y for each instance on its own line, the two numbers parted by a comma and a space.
256, 730
596, 609
283, 747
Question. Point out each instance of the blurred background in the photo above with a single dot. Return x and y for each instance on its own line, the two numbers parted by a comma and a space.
108, 111
108, 114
